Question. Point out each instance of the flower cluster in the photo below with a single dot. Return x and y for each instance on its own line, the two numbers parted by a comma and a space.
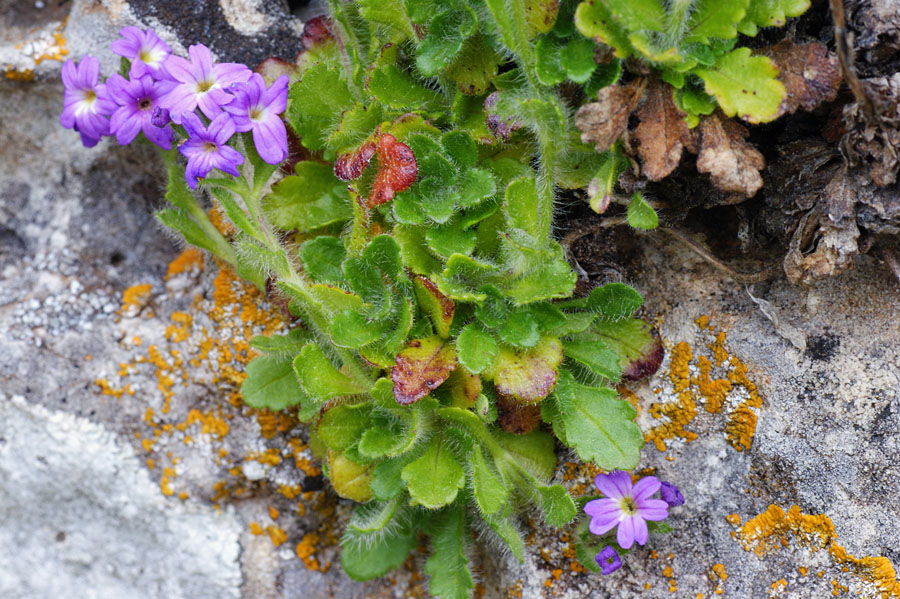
628, 506
160, 98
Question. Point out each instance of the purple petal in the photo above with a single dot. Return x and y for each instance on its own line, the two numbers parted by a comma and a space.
160, 136
221, 129
209, 106
127, 130
202, 60
640, 530
69, 74
608, 560
615, 485
226, 73
645, 487
275, 98
599, 507
179, 102
89, 71
119, 90
67, 118
88, 141
601, 526
625, 533
270, 139
671, 495
193, 125
653, 509
179, 69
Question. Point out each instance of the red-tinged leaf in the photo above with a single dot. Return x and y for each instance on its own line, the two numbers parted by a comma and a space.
421, 367
272, 68
398, 170
527, 376
464, 388
437, 305
350, 165
316, 31
647, 362
515, 417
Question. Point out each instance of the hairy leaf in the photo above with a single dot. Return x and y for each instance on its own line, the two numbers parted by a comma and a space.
422, 367
527, 375
272, 384
319, 378
436, 477
350, 479
770, 13
343, 425
315, 104
445, 38
438, 306
322, 257
311, 199
490, 492
476, 348
448, 567
640, 214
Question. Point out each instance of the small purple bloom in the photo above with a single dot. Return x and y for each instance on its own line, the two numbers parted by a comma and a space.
200, 83
144, 49
137, 100
608, 560
205, 147
160, 117
86, 103
670, 494
627, 506
256, 108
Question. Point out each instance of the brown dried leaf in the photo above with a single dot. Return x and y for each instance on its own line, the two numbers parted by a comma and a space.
514, 417
437, 305
663, 133
602, 122
732, 163
810, 74
421, 367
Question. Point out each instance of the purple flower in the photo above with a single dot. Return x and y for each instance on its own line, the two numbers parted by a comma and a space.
144, 49
160, 117
626, 505
670, 494
205, 147
608, 560
256, 109
86, 103
137, 98
200, 83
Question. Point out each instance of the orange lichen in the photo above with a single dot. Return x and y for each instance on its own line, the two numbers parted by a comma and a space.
256, 529
774, 529
188, 260
693, 384
733, 519
306, 550
276, 534
135, 298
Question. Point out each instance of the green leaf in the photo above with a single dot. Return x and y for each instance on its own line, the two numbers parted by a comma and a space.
540, 15
577, 59
508, 533
598, 425
439, 307
352, 329
370, 556
412, 250
233, 211
475, 186
715, 19
448, 567
520, 329
384, 253
744, 85
476, 349
334, 299
547, 55
394, 88
357, 124
490, 492
534, 453
322, 258
607, 176
267, 261
343, 425
391, 437
640, 214
389, 13
463, 276
521, 206
272, 384
436, 477
386, 478
598, 358
290, 343
548, 316
634, 342
311, 199
178, 219
595, 20
557, 504
475, 66
319, 378
461, 148
770, 13
372, 517
448, 239
445, 38
315, 104
614, 301
639, 15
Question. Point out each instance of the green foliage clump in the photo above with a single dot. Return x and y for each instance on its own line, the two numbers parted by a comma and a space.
691, 43
439, 355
